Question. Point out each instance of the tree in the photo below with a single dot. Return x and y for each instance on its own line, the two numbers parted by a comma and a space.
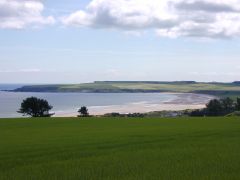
214, 108
237, 105
198, 113
83, 111
227, 105
35, 107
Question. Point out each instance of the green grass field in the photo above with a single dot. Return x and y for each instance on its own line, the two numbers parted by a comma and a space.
123, 149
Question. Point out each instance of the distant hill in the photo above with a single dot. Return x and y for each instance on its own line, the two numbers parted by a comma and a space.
148, 82
9, 86
212, 88
236, 82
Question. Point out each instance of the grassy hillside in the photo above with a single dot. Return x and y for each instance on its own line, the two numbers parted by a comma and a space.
98, 148
221, 89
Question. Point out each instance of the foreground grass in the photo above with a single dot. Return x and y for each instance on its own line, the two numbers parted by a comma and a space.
70, 148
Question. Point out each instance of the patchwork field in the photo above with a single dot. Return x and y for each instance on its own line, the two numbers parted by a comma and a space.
113, 148
218, 89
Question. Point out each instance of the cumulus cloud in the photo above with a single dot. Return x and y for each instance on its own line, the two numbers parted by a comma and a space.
17, 14
171, 18
124, 14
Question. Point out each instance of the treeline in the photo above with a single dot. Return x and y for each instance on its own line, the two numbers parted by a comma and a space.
218, 107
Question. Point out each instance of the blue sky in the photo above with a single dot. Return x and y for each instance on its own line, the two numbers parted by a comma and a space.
69, 49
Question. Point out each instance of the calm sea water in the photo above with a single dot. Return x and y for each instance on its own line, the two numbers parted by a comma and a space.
68, 103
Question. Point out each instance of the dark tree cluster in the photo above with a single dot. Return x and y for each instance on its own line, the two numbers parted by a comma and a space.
83, 111
35, 107
218, 107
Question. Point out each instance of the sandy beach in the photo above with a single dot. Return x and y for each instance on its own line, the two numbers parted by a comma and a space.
182, 102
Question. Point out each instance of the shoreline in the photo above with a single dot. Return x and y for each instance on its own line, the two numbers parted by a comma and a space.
68, 106
195, 101
126, 109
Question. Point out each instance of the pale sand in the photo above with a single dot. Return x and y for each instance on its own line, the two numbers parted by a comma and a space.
182, 102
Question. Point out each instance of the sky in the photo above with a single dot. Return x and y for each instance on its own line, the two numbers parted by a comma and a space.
77, 41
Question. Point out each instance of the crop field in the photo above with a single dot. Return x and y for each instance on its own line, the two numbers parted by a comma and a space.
178, 87
120, 148
217, 89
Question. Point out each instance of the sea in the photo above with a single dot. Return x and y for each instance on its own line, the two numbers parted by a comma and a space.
67, 104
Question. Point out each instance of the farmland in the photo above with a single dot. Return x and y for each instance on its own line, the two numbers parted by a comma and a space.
217, 89
120, 148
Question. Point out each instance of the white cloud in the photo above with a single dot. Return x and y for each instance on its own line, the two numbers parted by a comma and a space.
17, 14
35, 70
27, 70
171, 18
123, 14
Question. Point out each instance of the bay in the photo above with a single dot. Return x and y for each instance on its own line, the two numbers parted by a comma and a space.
67, 104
